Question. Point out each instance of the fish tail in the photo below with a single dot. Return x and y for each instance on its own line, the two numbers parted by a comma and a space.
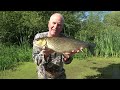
91, 48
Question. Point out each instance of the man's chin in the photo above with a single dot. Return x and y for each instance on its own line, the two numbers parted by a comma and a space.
53, 34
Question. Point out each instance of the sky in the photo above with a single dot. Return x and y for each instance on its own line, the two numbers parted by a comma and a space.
100, 13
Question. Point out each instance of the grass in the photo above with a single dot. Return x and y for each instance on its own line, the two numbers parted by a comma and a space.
94, 68
11, 55
89, 68
26, 70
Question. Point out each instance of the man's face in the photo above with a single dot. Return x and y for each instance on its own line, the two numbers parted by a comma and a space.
55, 26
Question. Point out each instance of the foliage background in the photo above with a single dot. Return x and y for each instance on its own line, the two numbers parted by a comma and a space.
18, 28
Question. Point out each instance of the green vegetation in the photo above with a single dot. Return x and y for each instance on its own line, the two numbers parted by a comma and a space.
18, 28
11, 55
89, 68
94, 68
25, 70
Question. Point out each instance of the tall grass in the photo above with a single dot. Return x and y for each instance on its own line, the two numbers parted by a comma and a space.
107, 43
11, 55
83, 36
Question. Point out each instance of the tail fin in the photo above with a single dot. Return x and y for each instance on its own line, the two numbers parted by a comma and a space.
91, 48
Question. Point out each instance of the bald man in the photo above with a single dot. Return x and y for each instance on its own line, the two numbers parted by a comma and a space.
49, 63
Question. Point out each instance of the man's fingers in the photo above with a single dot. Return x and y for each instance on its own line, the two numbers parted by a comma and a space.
78, 51
66, 53
73, 50
43, 47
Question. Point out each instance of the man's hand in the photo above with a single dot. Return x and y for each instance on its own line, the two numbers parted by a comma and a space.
69, 54
46, 51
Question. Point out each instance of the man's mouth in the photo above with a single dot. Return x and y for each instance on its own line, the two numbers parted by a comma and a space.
54, 31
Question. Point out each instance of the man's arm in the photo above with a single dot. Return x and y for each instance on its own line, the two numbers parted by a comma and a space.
68, 57
40, 54
37, 54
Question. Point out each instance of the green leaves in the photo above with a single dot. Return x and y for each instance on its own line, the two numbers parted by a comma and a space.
21, 26
113, 19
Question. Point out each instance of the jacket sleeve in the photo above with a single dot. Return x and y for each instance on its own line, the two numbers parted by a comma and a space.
37, 54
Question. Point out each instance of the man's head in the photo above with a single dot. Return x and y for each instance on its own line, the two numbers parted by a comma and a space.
55, 24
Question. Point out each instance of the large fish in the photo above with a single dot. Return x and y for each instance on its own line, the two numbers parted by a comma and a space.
64, 44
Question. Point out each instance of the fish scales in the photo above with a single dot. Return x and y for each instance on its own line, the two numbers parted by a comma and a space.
64, 44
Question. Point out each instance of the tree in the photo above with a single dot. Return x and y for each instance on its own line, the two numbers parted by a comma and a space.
91, 25
112, 19
20, 27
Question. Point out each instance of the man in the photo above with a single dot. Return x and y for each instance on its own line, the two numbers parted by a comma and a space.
49, 63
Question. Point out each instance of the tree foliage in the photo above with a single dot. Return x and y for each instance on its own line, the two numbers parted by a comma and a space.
113, 19
91, 25
19, 27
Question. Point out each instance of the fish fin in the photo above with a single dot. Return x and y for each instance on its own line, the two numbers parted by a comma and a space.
91, 48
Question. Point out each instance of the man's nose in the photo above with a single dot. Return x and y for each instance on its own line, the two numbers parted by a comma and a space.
55, 25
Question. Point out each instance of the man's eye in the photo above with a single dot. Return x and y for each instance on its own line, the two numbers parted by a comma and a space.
54, 23
59, 25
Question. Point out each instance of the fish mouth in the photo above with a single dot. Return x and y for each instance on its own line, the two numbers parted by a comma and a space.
41, 43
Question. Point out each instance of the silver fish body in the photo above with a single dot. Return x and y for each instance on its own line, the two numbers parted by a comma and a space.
64, 44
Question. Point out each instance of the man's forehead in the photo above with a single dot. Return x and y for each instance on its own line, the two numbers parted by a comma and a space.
56, 20
57, 17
